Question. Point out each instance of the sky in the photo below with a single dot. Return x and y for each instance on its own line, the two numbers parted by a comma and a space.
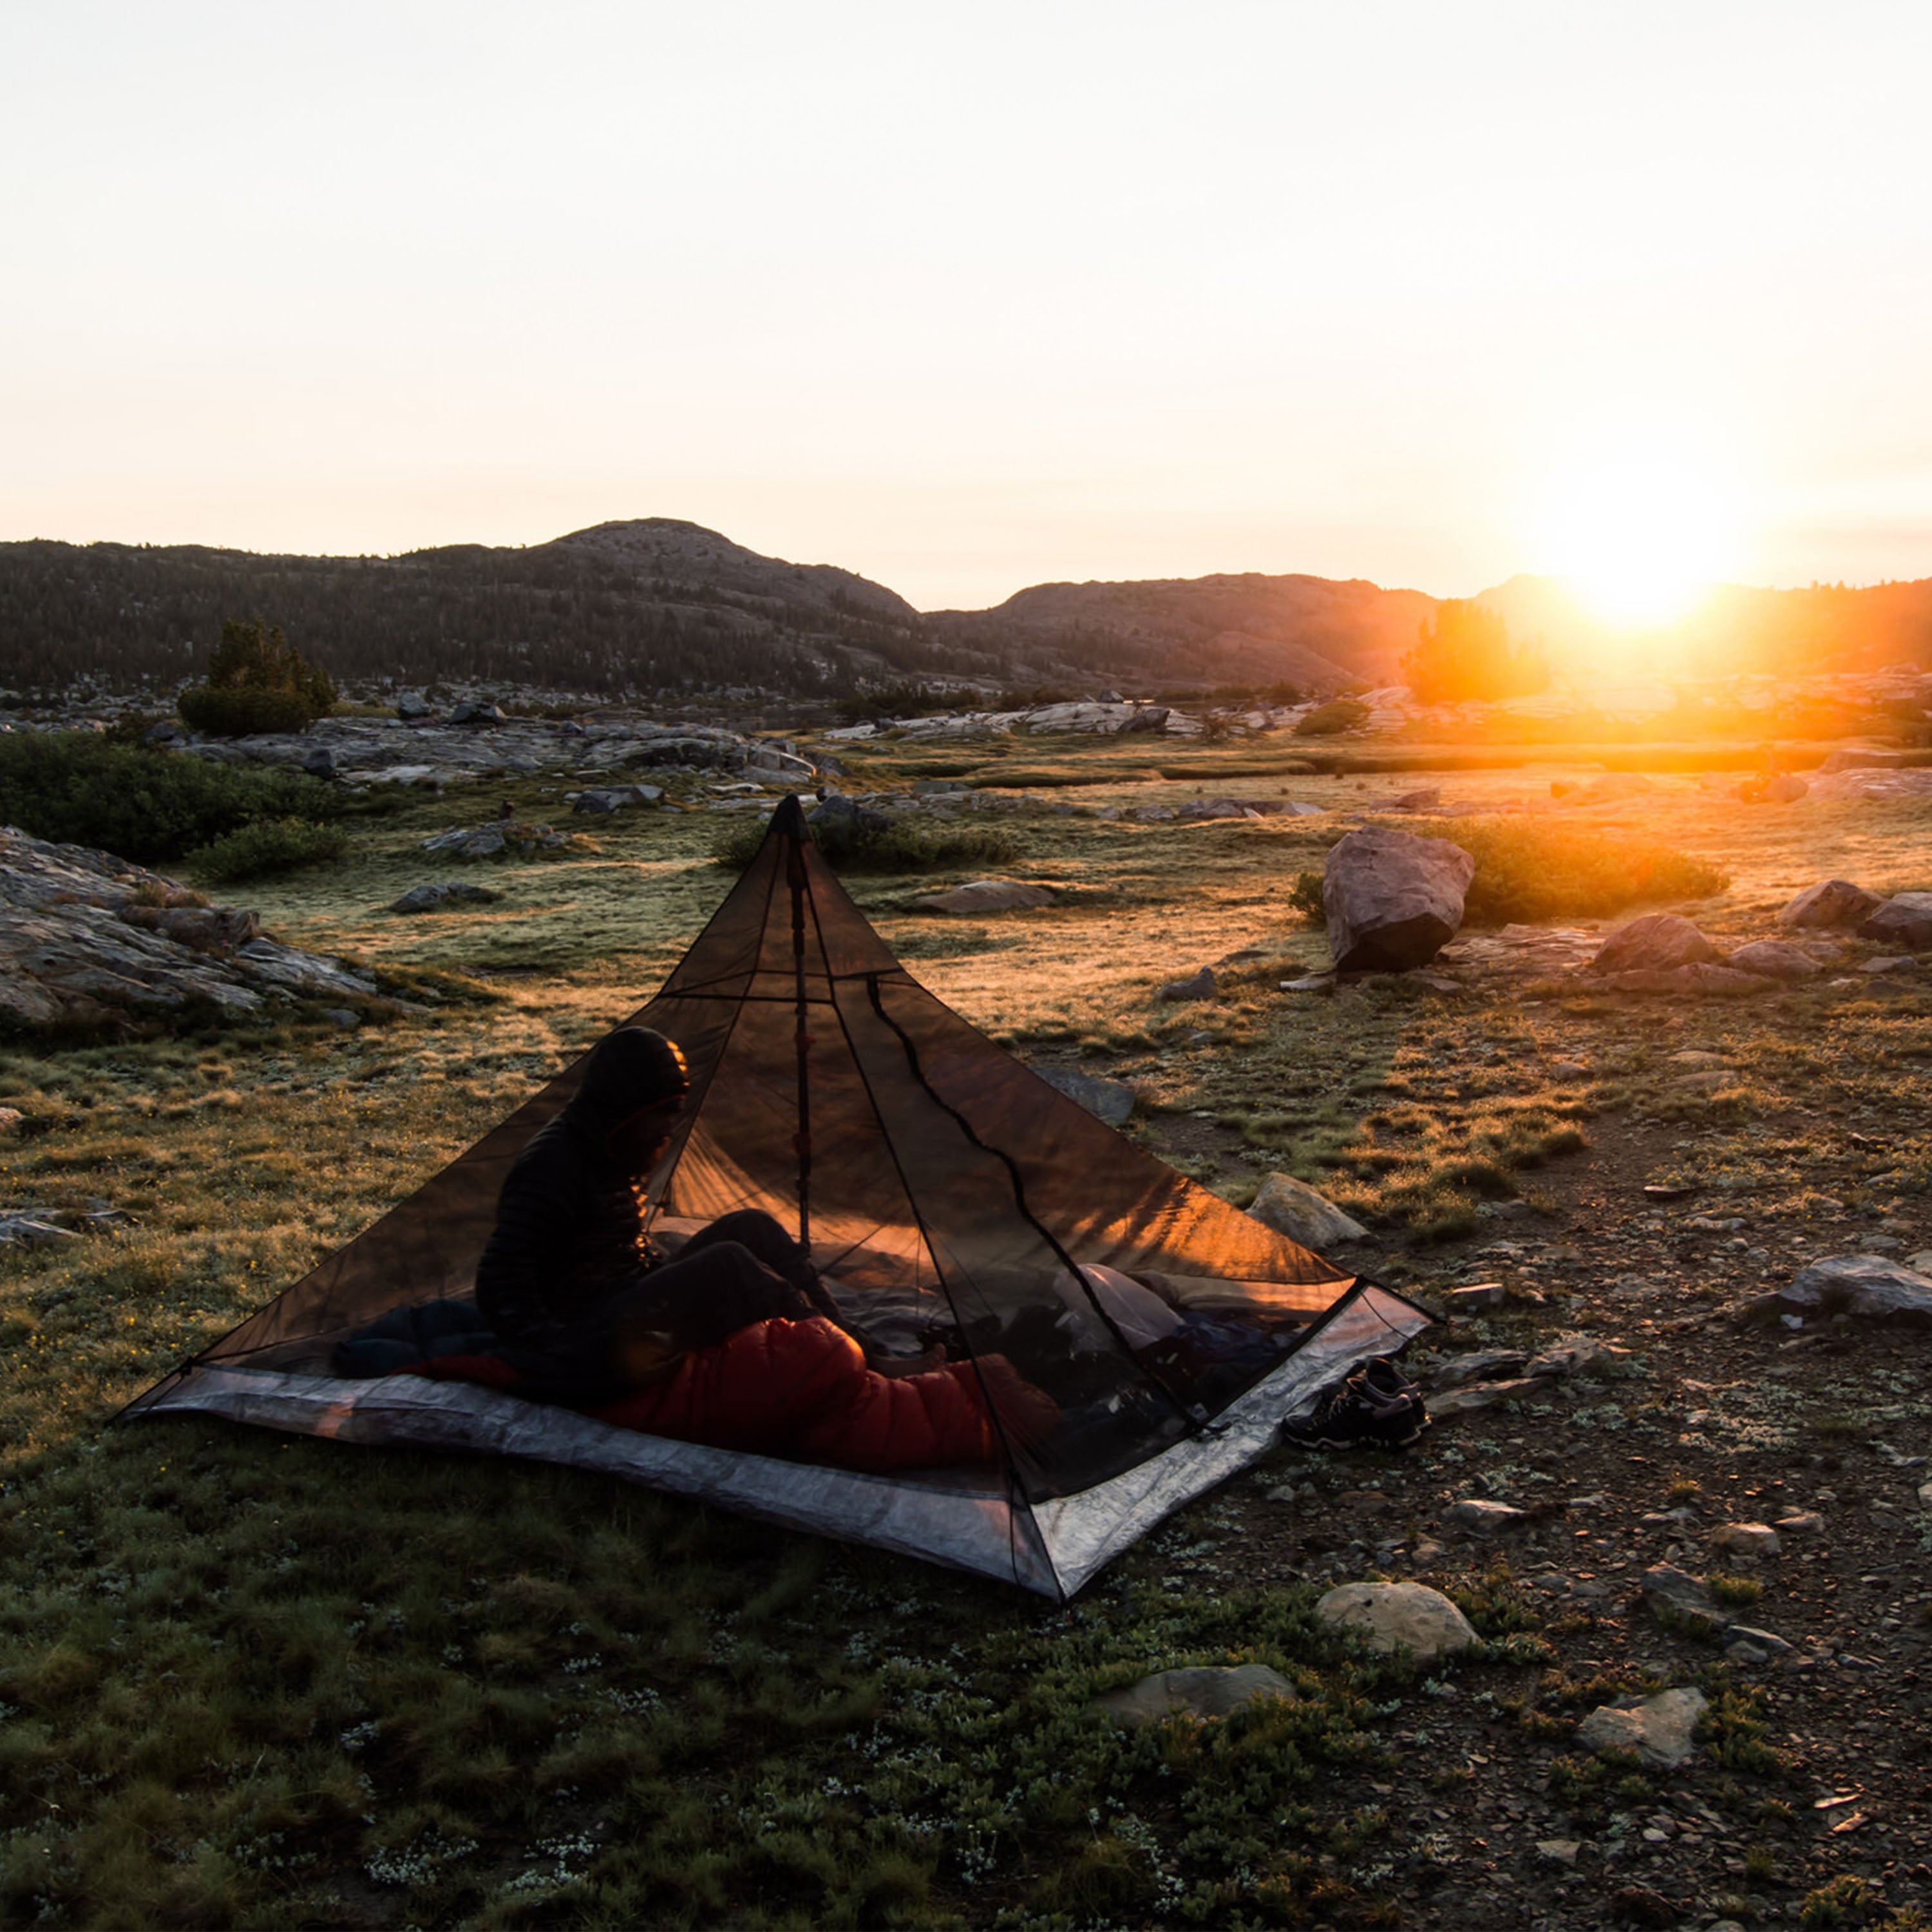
969, 297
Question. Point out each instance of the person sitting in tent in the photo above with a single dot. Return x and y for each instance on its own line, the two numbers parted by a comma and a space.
569, 1281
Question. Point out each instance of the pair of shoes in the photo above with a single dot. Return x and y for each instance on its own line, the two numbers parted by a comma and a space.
1376, 1405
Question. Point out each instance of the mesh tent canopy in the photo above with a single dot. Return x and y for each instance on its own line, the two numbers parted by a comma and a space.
944, 1191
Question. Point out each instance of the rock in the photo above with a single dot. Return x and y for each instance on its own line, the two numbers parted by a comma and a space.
1483, 1395
1477, 1296
86, 938
412, 705
1806, 1522
1152, 814
1399, 1616
480, 841
1482, 1365
615, 798
1662, 1730
1786, 788
1558, 1851
1746, 1541
1108, 1100
1299, 809
1486, 1517
1866, 1287
342, 1018
1200, 987
1310, 982
11, 1120
1767, 1644
476, 715
1667, 1588
771, 761
1293, 1208
1849, 758
1392, 900
1657, 943
1694, 981
1904, 919
984, 895
1879, 969
320, 763
1207, 1691
423, 899
28, 1232
1772, 959
1832, 902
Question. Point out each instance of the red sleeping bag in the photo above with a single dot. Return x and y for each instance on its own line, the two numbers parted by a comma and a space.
802, 1390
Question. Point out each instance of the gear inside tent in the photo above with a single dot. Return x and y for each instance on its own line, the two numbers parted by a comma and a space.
944, 1191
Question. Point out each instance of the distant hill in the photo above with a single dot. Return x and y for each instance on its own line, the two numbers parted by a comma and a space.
1249, 627
647, 606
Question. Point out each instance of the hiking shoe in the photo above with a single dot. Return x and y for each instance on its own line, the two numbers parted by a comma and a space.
1357, 1412
1385, 1379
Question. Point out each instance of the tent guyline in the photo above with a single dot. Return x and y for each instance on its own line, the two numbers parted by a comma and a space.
1046, 1339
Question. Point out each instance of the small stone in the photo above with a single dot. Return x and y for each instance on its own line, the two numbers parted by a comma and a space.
1477, 1296
1768, 1642
1558, 1851
424, 897
1667, 1588
1486, 1517
1658, 942
1399, 1616
1806, 1522
1892, 964
1773, 959
1482, 1365
342, 1018
1833, 902
11, 1120
1746, 1541
1200, 987
28, 1231
1205, 1691
1904, 919
1483, 1395
1310, 982
1661, 1730
1293, 1208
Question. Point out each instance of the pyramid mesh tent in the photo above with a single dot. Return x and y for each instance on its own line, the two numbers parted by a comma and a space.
942, 1187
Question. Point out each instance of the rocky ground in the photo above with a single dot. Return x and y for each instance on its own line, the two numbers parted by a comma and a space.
1698, 1461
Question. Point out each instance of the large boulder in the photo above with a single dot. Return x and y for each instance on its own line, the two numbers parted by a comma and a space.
1865, 1287
1393, 901
1293, 1208
1832, 902
1657, 943
984, 895
1905, 919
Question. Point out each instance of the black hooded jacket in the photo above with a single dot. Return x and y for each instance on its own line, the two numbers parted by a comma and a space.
569, 1230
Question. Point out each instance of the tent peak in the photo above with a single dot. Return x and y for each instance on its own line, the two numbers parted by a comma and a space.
789, 819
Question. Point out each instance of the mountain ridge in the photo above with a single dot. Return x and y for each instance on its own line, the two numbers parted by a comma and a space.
658, 605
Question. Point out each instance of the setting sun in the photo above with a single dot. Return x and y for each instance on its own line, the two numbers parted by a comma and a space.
1639, 536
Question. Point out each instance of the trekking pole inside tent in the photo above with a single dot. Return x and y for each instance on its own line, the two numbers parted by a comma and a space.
801, 1140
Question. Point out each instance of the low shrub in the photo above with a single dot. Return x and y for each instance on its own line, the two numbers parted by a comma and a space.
79, 788
240, 710
1528, 873
1330, 720
895, 847
265, 849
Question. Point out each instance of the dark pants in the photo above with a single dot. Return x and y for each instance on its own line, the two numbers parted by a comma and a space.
743, 1268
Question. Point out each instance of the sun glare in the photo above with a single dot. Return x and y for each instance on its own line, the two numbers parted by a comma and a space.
1639, 536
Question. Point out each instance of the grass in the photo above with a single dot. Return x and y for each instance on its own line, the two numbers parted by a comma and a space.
262, 1682
898, 847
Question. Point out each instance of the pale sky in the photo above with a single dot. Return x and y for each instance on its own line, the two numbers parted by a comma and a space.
969, 296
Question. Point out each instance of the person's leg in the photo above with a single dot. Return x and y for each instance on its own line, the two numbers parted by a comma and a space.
700, 1298
755, 1231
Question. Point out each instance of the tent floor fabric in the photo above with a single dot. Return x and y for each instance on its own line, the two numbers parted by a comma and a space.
1116, 1339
